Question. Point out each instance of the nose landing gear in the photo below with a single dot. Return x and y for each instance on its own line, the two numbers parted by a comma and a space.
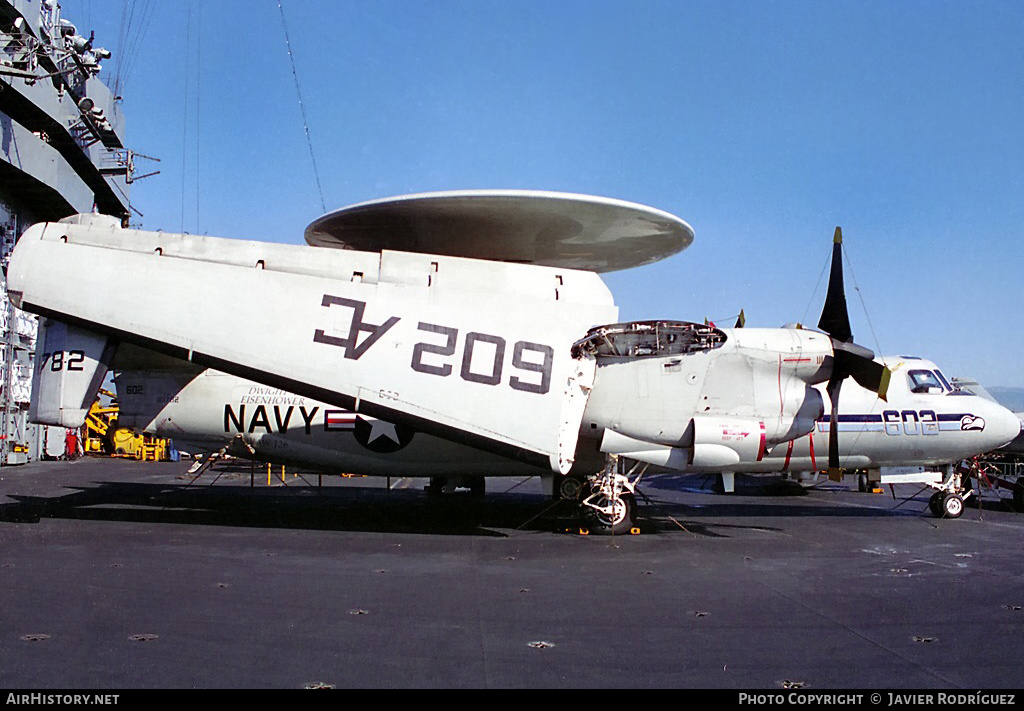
608, 500
948, 500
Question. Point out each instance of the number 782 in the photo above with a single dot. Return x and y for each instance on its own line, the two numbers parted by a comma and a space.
61, 360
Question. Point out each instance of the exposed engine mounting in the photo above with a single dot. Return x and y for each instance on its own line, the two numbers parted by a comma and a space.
641, 339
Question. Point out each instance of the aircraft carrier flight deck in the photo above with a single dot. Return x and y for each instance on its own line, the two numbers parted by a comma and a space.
117, 574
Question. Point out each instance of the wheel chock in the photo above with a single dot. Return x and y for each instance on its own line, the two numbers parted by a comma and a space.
586, 531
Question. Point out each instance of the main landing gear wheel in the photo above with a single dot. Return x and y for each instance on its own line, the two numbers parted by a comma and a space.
570, 488
608, 502
611, 516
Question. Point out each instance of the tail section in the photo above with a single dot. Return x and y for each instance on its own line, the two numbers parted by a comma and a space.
70, 367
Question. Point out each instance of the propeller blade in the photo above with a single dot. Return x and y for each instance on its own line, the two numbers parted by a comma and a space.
871, 375
858, 362
835, 320
834, 384
741, 320
848, 359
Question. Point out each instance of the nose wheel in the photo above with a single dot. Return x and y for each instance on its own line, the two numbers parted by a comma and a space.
949, 500
943, 505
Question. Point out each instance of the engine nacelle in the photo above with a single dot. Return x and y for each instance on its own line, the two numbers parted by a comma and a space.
755, 386
714, 443
723, 441
655, 379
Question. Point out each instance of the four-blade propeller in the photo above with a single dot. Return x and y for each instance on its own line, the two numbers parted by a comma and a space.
848, 359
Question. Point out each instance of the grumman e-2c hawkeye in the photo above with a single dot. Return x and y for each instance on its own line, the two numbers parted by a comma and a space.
458, 334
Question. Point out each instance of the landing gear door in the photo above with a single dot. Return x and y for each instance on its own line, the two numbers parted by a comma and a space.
71, 364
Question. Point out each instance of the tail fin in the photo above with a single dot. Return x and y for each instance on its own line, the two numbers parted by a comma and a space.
70, 367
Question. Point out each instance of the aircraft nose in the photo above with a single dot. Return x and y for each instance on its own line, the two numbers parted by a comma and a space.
1005, 426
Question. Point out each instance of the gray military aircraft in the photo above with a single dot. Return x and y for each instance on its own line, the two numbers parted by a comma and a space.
456, 335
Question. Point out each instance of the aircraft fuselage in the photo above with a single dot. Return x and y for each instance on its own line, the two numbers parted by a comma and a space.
212, 409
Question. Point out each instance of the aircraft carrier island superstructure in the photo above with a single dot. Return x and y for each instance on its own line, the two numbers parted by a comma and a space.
61, 153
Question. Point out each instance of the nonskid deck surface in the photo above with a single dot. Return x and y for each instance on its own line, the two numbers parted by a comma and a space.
129, 575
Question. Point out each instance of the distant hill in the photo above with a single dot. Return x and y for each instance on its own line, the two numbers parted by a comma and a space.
1012, 398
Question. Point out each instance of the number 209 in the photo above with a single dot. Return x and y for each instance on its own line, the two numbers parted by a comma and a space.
432, 358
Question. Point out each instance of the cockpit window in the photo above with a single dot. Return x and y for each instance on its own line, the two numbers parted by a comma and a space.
922, 381
943, 379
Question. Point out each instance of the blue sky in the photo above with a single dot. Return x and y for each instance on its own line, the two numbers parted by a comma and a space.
762, 124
